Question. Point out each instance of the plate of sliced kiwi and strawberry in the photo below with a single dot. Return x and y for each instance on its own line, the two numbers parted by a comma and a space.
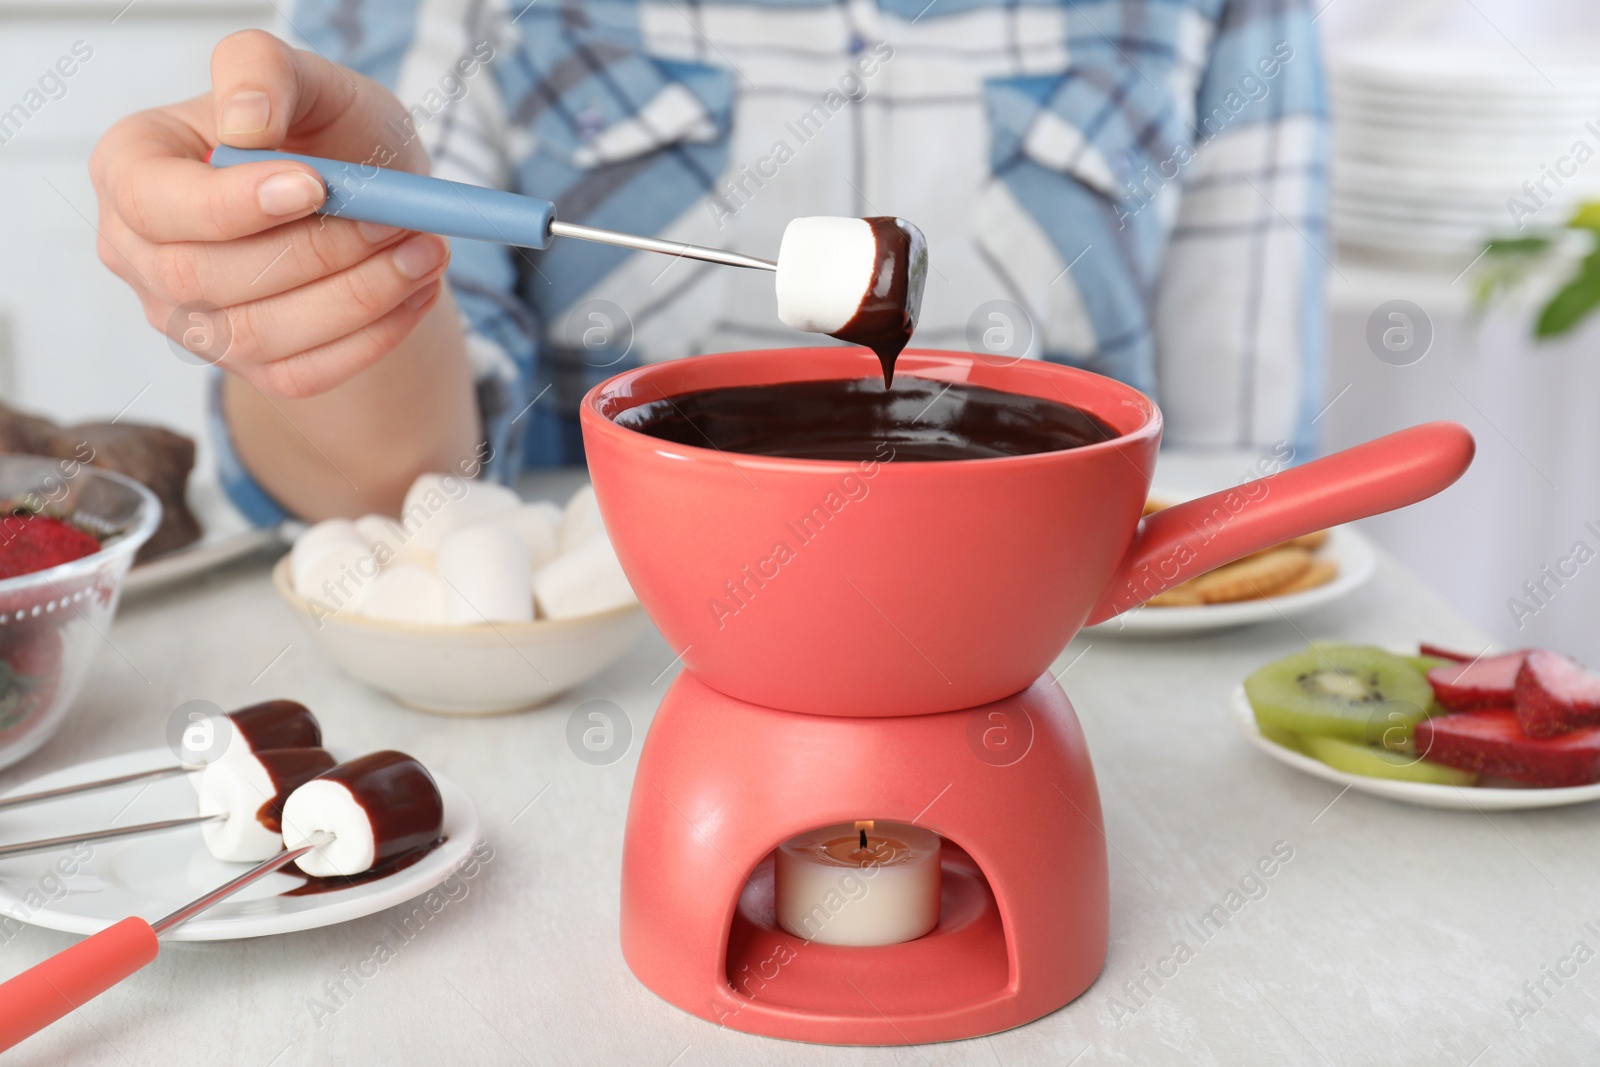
1434, 727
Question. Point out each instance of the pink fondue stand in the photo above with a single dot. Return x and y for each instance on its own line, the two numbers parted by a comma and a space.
893, 665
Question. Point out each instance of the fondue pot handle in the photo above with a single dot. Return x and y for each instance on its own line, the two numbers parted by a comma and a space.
1188, 539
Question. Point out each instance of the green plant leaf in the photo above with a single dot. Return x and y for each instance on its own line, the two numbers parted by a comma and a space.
1517, 246
1572, 303
1587, 217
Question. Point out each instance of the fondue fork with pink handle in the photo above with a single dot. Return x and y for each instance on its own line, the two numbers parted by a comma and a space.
71, 978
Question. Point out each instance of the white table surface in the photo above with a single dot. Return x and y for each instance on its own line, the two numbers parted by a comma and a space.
1394, 934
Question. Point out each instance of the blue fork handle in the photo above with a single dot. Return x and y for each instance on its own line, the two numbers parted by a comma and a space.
366, 193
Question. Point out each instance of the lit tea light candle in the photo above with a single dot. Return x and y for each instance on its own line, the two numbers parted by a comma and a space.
863, 883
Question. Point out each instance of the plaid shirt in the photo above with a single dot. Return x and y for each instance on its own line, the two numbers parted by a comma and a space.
1136, 187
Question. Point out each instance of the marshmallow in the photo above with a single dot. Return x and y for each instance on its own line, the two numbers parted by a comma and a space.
485, 573
339, 576
425, 503
377, 808
268, 725
314, 542
383, 537
413, 554
438, 503
580, 520
484, 502
405, 593
276, 724
536, 524
250, 790
585, 581
825, 267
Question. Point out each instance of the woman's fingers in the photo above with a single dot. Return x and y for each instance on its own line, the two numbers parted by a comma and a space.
164, 196
309, 300
265, 93
277, 327
319, 369
225, 273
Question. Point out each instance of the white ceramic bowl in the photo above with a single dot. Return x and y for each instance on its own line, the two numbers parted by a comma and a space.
468, 670
53, 622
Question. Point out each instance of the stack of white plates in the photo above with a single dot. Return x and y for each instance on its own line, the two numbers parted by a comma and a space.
1438, 145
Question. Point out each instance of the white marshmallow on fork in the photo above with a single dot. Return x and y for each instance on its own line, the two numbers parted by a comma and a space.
586, 581
375, 808
270, 724
485, 573
250, 790
825, 266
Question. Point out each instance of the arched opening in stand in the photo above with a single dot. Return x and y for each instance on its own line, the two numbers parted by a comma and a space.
963, 961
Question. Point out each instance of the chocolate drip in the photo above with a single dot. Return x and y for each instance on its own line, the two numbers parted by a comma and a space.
277, 724
852, 419
289, 769
400, 798
888, 311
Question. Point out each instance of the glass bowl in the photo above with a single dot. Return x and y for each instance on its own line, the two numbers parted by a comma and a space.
53, 622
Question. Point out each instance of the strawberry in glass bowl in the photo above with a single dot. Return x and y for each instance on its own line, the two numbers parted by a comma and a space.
68, 534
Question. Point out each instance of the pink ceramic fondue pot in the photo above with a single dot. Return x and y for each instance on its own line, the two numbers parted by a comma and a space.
881, 588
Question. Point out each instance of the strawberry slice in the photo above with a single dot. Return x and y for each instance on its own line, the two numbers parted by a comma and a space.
1490, 682
1425, 649
1555, 694
30, 543
1491, 742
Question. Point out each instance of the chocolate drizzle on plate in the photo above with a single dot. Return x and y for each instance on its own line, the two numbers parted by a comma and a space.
919, 419
888, 311
313, 886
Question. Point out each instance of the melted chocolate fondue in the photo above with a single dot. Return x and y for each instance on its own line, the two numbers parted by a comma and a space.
856, 419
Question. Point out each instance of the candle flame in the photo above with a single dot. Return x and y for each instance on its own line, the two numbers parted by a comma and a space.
864, 824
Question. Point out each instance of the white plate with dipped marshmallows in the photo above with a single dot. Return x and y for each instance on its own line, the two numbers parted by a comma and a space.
87, 888
471, 602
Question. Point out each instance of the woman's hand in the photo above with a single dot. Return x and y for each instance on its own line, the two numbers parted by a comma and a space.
310, 301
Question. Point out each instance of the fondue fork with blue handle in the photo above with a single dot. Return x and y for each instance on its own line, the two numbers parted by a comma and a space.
860, 280
366, 193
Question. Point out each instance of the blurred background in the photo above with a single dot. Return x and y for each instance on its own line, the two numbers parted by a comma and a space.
1456, 121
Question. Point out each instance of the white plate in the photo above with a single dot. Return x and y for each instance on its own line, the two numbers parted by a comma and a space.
1438, 66
1349, 549
154, 875
1459, 797
225, 536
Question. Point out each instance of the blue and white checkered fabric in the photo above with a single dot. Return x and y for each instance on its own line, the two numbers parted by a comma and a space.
1139, 183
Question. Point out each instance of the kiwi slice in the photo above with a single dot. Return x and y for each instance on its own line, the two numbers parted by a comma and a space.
1426, 663
1351, 692
1373, 761
1279, 736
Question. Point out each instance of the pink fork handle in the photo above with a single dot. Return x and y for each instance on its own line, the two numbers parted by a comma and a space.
1186, 540
71, 978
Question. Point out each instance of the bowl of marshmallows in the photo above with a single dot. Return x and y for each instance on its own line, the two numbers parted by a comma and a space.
471, 602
